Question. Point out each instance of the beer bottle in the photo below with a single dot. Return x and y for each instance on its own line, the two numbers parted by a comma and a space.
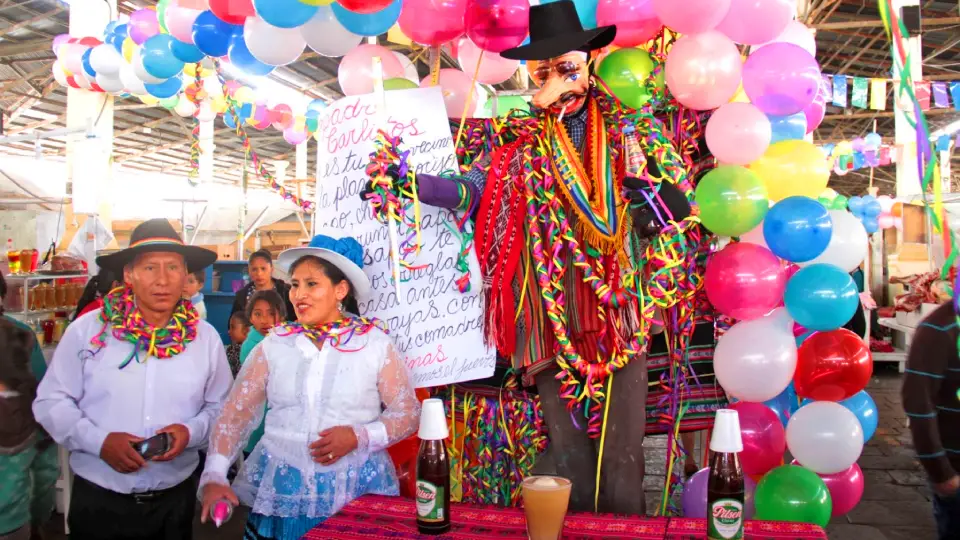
433, 470
725, 490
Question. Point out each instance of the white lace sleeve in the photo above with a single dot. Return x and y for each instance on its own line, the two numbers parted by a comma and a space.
401, 414
242, 413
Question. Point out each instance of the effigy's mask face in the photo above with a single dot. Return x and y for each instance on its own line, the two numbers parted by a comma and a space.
564, 82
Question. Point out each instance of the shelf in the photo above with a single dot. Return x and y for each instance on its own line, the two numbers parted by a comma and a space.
39, 312
38, 277
218, 293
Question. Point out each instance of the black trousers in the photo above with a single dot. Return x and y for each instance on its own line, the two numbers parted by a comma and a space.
574, 454
100, 514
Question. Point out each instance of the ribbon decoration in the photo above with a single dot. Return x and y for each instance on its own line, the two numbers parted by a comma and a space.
336, 333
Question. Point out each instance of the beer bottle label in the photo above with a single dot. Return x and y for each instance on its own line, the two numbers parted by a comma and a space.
429, 502
725, 520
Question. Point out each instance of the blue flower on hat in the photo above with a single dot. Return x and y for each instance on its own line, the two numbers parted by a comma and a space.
347, 246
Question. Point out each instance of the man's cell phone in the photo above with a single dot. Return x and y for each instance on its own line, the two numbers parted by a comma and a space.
155, 446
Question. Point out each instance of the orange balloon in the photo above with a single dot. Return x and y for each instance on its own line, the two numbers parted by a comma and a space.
897, 210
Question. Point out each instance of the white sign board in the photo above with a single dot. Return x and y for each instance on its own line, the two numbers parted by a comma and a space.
438, 330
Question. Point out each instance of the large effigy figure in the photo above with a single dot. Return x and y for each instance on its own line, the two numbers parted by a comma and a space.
569, 204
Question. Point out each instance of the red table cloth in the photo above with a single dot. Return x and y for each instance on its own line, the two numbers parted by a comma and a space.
375, 516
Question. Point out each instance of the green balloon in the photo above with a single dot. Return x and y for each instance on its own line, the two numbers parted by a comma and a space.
793, 493
626, 72
732, 200
398, 83
505, 105
839, 203
162, 14
170, 102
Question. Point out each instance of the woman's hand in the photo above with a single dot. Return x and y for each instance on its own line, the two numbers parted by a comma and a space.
212, 493
866, 299
333, 444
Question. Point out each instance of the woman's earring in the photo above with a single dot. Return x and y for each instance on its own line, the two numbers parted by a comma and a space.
340, 306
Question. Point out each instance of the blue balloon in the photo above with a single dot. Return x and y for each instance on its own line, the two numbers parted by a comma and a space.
873, 140
785, 404
872, 209
871, 224
229, 121
109, 29
586, 9
85, 60
187, 53
241, 57
786, 128
165, 89
158, 58
122, 31
855, 205
212, 36
285, 13
864, 408
821, 297
316, 106
371, 24
797, 229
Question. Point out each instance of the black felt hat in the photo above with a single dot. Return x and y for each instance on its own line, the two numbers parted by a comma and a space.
157, 235
555, 30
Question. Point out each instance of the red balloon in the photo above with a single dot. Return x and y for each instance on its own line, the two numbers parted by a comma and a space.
764, 439
364, 6
232, 11
832, 366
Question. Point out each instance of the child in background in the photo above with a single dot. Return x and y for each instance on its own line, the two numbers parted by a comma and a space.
264, 310
239, 327
191, 291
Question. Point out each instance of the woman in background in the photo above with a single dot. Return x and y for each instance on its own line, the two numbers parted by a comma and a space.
98, 287
338, 396
260, 268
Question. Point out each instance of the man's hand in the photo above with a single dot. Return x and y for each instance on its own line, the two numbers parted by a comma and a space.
212, 493
179, 438
333, 444
118, 452
948, 488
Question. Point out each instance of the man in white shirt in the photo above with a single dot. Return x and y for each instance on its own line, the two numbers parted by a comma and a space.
141, 366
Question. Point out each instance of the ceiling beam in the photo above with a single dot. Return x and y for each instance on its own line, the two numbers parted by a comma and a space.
28, 22
927, 23
24, 47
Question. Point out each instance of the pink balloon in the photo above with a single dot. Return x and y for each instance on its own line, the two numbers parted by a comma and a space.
456, 86
744, 281
764, 439
143, 24
494, 69
635, 20
738, 133
294, 136
846, 488
703, 70
356, 68
433, 22
781, 79
887, 221
180, 22
282, 117
497, 25
798, 34
816, 111
799, 329
691, 16
753, 22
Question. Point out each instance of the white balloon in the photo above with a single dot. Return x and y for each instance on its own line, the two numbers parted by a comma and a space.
796, 33
110, 83
326, 36
105, 60
141, 72
825, 437
206, 113
848, 243
59, 74
82, 80
755, 236
409, 70
271, 45
185, 107
755, 360
212, 85
130, 81
71, 54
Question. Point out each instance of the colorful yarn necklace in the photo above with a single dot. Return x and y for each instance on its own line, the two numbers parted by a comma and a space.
126, 323
337, 333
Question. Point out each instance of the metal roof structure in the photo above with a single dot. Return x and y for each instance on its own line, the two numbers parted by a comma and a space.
850, 39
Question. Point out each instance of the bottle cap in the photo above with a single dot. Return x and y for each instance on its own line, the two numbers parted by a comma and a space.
726, 432
433, 421
221, 512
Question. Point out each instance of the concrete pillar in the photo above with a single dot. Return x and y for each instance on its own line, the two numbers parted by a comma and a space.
89, 163
908, 178
301, 160
207, 148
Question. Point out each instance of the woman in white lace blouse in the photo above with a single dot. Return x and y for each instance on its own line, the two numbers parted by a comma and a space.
337, 397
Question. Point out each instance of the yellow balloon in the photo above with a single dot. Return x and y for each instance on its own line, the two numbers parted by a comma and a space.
396, 35
149, 100
219, 104
190, 70
244, 94
793, 167
128, 48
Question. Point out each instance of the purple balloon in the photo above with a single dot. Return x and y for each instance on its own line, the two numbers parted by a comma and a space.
143, 25
58, 41
695, 495
781, 79
818, 108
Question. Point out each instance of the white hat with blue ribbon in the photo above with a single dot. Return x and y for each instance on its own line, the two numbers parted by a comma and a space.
344, 253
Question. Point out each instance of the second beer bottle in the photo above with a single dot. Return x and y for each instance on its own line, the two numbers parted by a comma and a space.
433, 470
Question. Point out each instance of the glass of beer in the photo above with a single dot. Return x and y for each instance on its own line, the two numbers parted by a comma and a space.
545, 500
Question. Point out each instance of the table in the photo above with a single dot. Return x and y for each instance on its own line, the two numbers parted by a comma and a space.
899, 356
375, 516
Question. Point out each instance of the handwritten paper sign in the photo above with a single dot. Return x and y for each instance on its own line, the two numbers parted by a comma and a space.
438, 330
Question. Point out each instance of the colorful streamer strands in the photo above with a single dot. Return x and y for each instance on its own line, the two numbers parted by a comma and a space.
337, 334
393, 200
124, 321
